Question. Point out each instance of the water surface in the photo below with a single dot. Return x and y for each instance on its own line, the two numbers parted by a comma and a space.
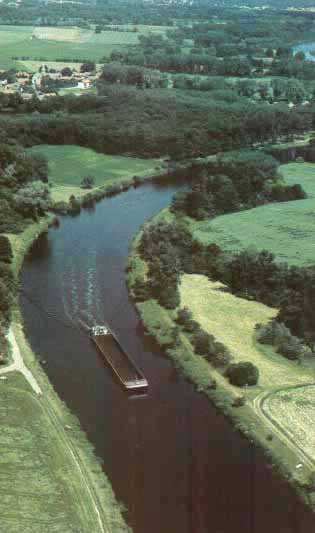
173, 460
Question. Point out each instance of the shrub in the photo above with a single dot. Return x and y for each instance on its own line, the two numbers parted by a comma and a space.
140, 290
191, 326
5, 249
60, 207
88, 182
239, 401
241, 374
183, 316
74, 205
202, 343
279, 336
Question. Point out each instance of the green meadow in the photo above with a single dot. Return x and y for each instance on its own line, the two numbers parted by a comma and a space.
35, 493
68, 164
285, 229
29, 43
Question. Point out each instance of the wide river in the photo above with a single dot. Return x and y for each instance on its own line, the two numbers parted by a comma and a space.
173, 460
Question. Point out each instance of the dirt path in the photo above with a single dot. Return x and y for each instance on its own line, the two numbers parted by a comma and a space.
18, 364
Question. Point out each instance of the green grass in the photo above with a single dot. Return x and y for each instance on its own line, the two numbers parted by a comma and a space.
59, 44
34, 494
285, 229
68, 164
303, 173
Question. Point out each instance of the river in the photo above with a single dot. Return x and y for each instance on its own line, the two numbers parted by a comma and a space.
173, 460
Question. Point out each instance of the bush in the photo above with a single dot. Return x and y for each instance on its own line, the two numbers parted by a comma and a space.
242, 374
202, 343
183, 316
74, 205
278, 335
88, 182
5, 249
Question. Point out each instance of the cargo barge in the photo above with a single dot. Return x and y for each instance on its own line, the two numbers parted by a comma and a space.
125, 369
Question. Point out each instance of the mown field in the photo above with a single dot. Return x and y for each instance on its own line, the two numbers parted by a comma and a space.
285, 229
68, 164
293, 410
35, 495
232, 321
51, 44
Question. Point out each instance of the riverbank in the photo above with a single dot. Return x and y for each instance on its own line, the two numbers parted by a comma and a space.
90, 497
246, 408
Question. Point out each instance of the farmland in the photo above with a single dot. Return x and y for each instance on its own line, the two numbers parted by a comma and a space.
285, 229
61, 44
68, 164
293, 410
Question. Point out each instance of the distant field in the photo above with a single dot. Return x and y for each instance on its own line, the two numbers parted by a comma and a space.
33, 66
35, 495
285, 229
46, 43
68, 164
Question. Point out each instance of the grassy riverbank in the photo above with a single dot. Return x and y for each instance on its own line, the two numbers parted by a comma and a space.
69, 164
232, 321
67, 489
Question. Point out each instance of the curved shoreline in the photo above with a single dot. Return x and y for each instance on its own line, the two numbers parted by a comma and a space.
96, 494
248, 419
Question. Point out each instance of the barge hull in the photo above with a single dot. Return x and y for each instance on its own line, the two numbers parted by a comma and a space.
129, 375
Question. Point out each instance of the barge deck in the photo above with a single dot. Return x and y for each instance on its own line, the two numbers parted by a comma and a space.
125, 369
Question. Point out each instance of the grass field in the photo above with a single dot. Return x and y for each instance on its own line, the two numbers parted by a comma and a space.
34, 495
68, 164
46, 43
232, 321
285, 229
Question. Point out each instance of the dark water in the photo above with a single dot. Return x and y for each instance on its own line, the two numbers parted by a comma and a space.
173, 460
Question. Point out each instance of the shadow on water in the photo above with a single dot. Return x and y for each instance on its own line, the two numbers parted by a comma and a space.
173, 460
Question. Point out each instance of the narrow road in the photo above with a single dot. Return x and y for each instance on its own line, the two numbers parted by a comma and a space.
18, 364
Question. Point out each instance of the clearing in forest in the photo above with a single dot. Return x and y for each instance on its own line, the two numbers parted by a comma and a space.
232, 321
68, 164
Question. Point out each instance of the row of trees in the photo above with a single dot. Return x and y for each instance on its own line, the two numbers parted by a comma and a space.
235, 181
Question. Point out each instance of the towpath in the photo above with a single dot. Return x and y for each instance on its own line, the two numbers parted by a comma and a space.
18, 364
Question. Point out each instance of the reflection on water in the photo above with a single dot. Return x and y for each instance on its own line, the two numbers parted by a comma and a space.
173, 460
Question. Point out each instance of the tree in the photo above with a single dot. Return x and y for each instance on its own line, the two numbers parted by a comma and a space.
299, 56
242, 374
201, 342
88, 182
88, 66
66, 71
33, 200
6, 253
